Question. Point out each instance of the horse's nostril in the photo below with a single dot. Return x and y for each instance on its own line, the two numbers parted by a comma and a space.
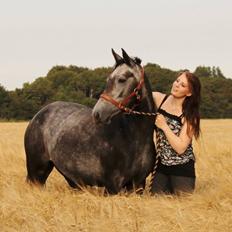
96, 116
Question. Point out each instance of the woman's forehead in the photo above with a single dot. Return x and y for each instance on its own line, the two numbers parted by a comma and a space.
183, 78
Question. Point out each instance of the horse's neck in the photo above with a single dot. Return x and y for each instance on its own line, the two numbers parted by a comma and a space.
134, 129
148, 106
138, 126
147, 94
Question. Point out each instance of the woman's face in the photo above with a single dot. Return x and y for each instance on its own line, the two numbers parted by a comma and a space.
180, 87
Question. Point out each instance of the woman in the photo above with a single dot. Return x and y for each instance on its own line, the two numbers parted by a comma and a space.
178, 120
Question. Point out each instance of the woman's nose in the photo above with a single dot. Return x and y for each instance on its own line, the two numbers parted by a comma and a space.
177, 85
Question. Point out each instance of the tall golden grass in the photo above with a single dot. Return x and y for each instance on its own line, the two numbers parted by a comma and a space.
60, 208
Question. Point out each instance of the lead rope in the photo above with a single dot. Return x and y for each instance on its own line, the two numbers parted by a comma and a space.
130, 111
153, 174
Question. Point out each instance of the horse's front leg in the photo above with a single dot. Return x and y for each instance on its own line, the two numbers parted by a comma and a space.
138, 188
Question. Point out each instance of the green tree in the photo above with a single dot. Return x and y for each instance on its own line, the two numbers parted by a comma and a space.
203, 71
4, 102
84, 86
219, 73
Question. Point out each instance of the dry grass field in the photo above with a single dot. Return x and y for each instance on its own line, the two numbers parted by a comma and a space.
60, 208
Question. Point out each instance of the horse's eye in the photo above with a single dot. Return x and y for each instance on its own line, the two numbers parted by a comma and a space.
122, 80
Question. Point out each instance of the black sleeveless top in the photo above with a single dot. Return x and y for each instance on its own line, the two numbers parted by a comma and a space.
170, 161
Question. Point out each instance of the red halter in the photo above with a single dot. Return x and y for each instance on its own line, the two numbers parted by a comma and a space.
122, 105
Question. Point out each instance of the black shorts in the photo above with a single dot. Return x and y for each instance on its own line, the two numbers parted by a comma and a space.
187, 169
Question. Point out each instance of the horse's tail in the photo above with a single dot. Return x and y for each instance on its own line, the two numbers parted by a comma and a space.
38, 163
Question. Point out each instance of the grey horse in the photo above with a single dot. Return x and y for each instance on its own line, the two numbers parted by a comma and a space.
106, 146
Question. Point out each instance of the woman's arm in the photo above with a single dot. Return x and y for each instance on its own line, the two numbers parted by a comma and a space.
178, 143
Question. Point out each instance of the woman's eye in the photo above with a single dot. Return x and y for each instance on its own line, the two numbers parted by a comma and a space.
183, 85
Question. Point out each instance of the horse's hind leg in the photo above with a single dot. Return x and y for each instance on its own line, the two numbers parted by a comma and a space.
70, 182
38, 164
39, 172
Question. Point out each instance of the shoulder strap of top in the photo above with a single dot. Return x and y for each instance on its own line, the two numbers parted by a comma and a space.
164, 99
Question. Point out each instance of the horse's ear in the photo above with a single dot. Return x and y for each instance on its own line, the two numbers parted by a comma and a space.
118, 59
127, 59
137, 60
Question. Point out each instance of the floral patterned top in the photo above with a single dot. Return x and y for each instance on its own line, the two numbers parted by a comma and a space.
168, 156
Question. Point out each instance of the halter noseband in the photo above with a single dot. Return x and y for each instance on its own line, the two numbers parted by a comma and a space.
122, 104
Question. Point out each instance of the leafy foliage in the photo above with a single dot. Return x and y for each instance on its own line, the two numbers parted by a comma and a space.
83, 85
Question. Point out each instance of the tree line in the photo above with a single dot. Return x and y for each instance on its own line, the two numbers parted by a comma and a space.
84, 86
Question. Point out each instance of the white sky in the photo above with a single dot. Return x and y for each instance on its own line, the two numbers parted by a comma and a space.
36, 35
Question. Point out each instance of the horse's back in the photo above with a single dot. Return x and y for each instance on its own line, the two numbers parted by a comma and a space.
56, 118
57, 112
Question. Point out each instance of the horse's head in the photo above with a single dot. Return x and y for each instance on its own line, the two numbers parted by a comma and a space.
123, 88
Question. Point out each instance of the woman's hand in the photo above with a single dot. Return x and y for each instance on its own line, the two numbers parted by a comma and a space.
178, 142
160, 122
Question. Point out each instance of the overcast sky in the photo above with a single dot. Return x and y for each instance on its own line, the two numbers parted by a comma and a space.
176, 34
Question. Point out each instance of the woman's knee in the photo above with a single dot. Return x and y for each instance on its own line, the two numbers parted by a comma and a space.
182, 184
160, 184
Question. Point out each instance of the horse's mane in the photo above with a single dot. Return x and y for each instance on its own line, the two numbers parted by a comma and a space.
147, 85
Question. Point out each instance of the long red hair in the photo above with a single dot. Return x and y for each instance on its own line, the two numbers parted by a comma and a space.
191, 104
